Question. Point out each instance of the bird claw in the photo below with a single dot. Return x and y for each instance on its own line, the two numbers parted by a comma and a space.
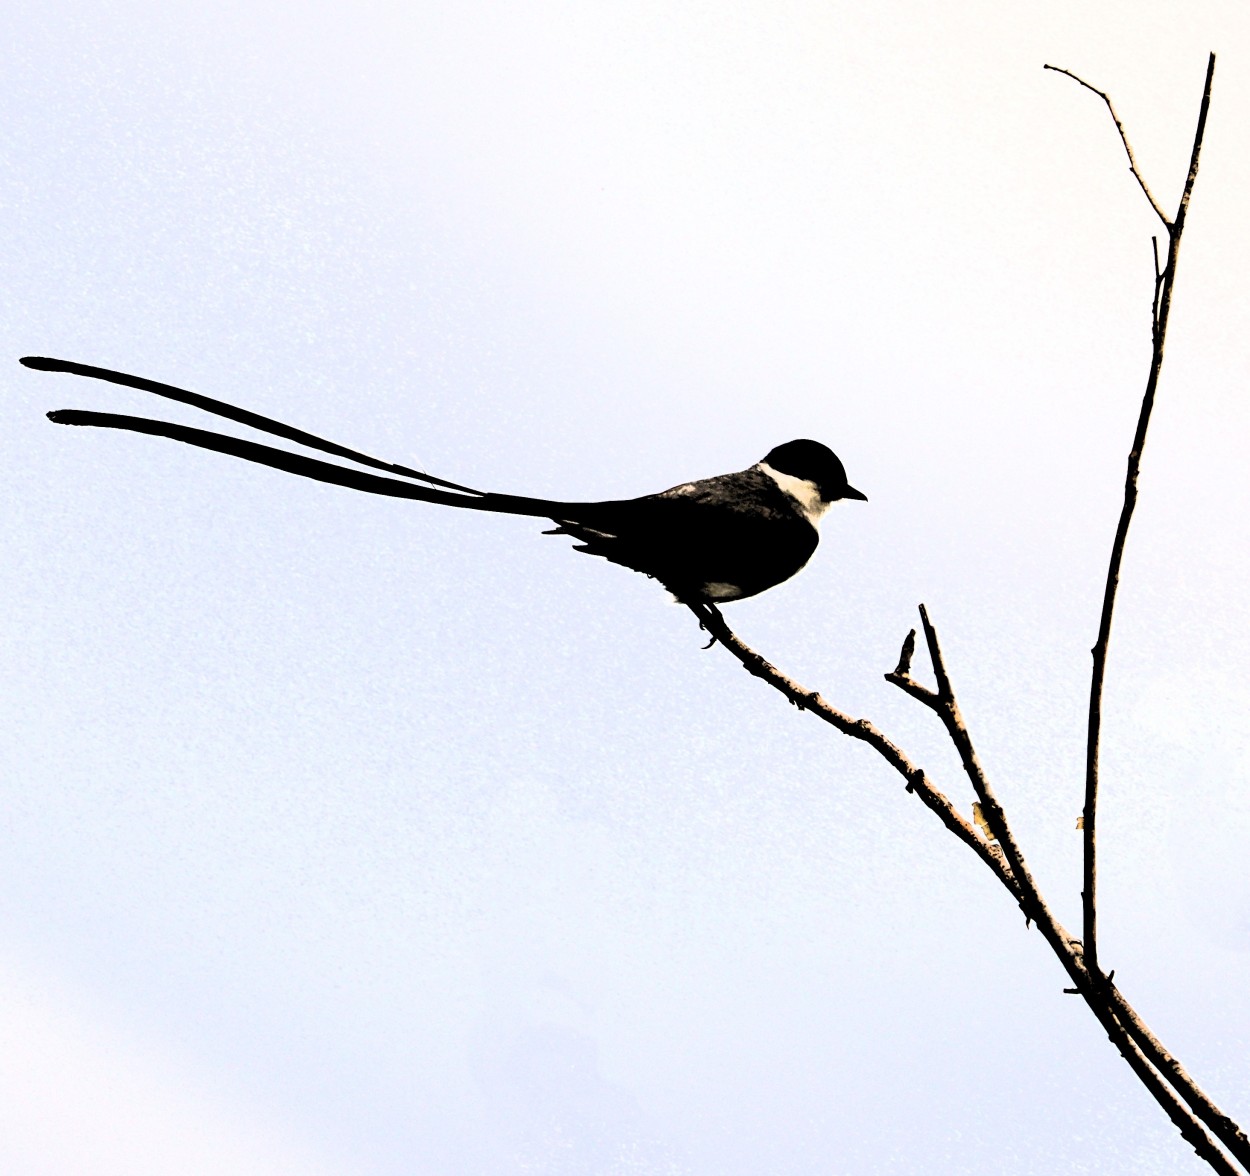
703, 611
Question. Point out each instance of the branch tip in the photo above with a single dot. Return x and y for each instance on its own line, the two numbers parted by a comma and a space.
1119, 126
944, 691
903, 669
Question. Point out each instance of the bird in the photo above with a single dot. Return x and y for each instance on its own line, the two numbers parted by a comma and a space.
708, 542
718, 539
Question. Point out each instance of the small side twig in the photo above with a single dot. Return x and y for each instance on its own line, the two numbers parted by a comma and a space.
901, 677
1119, 126
1154, 306
945, 705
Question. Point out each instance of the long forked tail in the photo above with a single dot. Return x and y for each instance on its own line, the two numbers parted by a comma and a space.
434, 489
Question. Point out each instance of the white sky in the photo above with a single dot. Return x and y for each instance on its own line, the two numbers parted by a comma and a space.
341, 835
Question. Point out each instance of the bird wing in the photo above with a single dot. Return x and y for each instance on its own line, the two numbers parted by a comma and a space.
734, 529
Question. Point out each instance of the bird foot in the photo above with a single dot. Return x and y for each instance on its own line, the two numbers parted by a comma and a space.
703, 611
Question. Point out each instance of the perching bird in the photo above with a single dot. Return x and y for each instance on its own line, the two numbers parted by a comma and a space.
714, 540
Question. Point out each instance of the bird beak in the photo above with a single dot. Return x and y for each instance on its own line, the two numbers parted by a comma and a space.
851, 492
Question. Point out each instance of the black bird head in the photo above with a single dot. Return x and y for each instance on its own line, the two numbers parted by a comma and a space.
816, 463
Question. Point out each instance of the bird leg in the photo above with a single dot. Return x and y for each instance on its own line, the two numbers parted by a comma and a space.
703, 611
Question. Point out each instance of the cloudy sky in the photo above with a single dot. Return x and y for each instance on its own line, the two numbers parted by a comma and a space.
342, 836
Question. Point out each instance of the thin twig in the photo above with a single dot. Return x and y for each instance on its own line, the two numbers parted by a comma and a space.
1132, 162
943, 702
947, 708
1192, 174
1154, 306
1163, 302
901, 677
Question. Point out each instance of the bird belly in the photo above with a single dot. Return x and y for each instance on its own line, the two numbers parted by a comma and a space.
719, 590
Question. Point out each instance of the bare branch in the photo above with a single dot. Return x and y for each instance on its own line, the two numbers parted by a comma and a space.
1132, 162
917, 781
1034, 905
903, 669
1223, 1127
1149, 1061
1154, 1066
1163, 303
1192, 174
948, 710
1154, 306
1189, 1127
918, 692
901, 677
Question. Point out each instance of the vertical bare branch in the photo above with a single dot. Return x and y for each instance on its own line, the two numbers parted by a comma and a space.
1164, 282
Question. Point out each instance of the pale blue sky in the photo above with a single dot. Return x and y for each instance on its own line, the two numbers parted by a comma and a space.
354, 837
